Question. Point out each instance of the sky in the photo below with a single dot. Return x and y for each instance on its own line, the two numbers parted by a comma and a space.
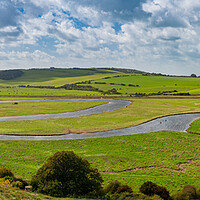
161, 36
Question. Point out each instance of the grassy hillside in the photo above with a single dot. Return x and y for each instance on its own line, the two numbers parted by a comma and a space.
41, 75
149, 84
167, 158
126, 82
139, 111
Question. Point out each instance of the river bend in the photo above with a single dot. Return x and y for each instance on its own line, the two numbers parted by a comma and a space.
179, 123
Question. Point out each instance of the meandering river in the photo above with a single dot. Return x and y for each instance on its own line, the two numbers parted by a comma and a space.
178, 123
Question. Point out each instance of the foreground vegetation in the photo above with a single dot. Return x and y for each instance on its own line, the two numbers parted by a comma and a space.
169, 159
139, 111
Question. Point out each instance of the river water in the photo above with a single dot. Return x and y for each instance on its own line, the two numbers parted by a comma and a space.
179, 123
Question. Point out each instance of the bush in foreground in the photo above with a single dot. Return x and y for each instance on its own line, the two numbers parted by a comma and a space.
151, 189
66, 174
189, 192
5, 172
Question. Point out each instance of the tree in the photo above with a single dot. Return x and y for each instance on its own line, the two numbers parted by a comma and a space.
193, 75
66, 174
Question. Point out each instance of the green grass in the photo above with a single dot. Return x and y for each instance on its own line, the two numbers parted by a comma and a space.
139, 111
161, 149
195, 127
149, 84
60, 77
37, 76
37, 92
32, 108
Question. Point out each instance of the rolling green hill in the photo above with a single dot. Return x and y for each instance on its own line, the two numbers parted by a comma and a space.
106, 81
41, 75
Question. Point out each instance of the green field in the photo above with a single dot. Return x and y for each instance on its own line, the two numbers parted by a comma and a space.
139, 111
150, 84
32, 108
110, 79
37, 92
195, 127
157, 153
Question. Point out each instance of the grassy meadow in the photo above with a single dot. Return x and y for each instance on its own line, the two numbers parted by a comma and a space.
32, 108
195, 127
125, 83
154, 156
37, 92
139, 111
149, 84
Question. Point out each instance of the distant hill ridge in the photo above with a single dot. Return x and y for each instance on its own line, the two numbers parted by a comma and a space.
65, 72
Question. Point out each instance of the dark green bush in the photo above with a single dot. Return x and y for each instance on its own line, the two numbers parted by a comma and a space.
124, 188
112, 187
19, 183
118, 191
66, 174
5, 172
150, 189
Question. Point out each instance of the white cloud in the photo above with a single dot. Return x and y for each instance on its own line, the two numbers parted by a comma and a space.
150, 35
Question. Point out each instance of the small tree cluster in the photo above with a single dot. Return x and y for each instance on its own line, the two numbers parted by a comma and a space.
151, 189
116, 190
66, 174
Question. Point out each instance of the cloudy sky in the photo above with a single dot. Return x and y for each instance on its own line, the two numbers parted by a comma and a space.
150, 35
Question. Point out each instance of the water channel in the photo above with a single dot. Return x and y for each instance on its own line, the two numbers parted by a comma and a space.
179, 123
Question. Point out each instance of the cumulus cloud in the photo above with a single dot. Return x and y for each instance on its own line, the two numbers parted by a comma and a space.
151, 35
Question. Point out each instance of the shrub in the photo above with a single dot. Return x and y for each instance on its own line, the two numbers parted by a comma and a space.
112, 187
150, 189
189, 192
66, 174
5, 172
10, 179
115, 190
19, 183
124, 188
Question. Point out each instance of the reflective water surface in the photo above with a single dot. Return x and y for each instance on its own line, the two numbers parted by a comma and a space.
178, 123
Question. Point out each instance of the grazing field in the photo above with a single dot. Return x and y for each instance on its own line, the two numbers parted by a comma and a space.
32, 108
139, 111
195, 127
130, 84
37, 92
125, 84
169, 159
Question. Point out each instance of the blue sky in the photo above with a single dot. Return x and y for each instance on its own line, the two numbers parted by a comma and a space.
149, 35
